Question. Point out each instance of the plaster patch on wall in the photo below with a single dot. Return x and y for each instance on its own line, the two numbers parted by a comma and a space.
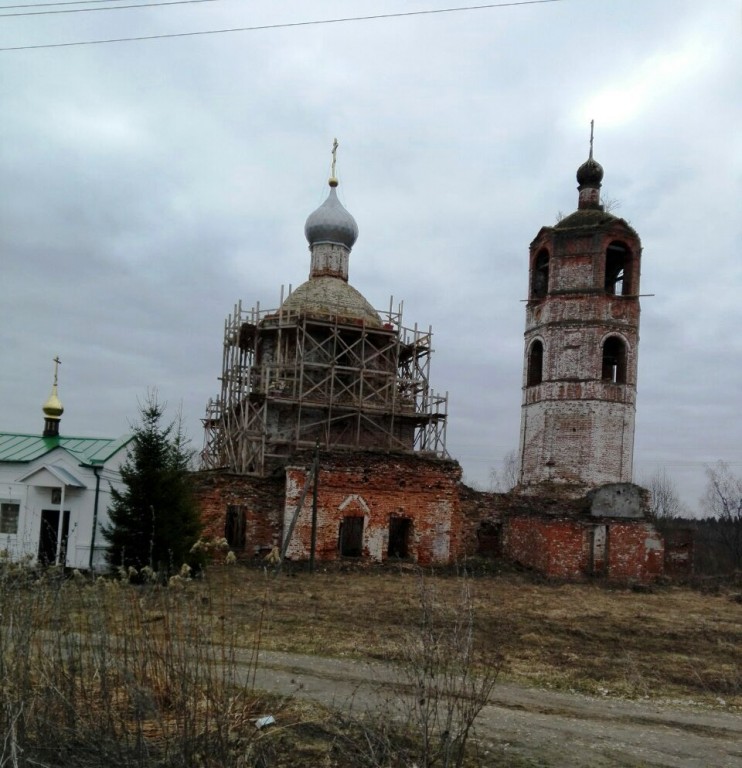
376, 543
354, 497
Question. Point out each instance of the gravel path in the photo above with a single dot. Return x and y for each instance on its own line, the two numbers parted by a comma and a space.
557, 730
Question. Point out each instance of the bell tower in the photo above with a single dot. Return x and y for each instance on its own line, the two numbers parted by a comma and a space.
581, 346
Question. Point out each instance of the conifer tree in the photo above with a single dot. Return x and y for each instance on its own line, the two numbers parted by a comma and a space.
153, 519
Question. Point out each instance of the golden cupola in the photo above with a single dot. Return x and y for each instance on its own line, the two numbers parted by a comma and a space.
53, 408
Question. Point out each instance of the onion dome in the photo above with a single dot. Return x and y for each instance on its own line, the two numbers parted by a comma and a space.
53, 408
331, 223
590, 173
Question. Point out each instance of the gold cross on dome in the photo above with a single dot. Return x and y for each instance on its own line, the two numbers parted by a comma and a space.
57, 362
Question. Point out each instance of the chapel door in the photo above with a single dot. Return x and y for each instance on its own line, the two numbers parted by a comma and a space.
49, 536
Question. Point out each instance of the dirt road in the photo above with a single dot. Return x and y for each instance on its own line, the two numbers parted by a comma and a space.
555, 730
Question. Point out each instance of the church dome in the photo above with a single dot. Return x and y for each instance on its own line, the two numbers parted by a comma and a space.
328, 297
53, 408
331, 223
590, 173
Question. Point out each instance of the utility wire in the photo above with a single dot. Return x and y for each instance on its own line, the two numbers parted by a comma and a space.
49, 5
109, 8
286, 25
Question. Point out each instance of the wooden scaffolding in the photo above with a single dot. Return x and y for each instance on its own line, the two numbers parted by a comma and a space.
291, 380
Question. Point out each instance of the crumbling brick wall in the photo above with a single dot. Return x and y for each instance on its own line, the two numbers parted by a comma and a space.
564, 547
260, 499
379, 488
481, 513
554, 547
635, 551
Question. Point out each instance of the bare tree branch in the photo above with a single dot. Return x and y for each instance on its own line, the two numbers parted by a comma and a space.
723, 501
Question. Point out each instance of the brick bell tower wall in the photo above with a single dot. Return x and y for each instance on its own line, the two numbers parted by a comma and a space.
581, 352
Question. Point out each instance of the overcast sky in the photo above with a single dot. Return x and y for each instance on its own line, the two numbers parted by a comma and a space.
147, 186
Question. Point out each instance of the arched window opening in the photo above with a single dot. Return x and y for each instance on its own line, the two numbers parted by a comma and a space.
618, 270
614, 360
540, 276
535, 364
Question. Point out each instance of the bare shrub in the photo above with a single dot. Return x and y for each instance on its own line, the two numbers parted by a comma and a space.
109, 672
444, 682
451, 682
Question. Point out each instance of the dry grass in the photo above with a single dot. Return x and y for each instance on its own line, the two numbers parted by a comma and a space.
671, 642
148, 676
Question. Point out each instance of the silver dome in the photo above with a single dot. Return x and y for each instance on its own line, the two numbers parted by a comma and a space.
331, 223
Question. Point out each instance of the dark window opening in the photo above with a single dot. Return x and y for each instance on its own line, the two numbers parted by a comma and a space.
614, 360
535, 364
540, 276
618, 270
9, 512
234, 526
350, 539
400, 530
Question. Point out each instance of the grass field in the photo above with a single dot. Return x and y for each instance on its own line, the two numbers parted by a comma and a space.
154, 677
670, 642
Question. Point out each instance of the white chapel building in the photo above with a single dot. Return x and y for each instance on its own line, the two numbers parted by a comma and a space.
55, 492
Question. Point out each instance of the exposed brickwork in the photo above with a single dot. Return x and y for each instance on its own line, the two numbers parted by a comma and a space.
560, 535
635, 551
576, 548
378, 488
577, 424
480, 512
260, 497
554, 547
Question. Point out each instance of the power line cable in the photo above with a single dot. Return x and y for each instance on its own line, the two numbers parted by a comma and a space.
286, 25
109, 8
50, 5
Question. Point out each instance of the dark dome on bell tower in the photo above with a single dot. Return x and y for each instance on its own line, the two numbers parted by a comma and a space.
590, 173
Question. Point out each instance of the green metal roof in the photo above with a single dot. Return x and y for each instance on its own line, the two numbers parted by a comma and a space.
90, 451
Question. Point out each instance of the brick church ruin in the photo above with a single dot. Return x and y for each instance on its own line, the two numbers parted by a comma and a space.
327, 440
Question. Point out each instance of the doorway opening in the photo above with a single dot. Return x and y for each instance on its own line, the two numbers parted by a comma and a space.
350, 539
400, 532
49, 537
234, 526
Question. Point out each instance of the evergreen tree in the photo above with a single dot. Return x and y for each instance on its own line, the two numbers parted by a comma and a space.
154, 520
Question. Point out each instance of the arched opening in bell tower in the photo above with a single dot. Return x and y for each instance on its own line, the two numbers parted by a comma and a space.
614, 360
540, 275
535, 372
618, 273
